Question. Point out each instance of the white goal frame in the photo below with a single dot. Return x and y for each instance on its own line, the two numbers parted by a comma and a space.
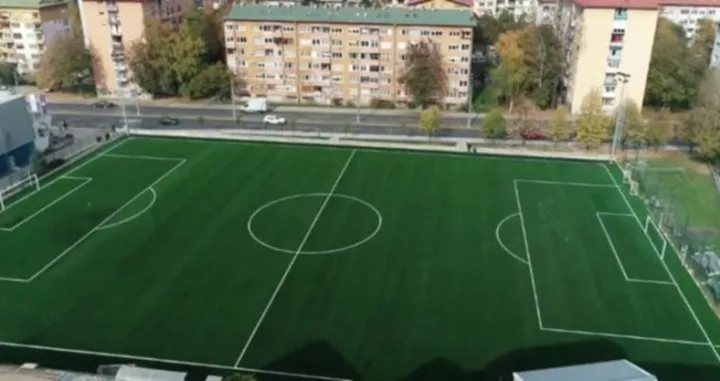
30, 181
650, 222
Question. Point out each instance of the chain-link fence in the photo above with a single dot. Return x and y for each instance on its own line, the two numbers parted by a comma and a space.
673, 201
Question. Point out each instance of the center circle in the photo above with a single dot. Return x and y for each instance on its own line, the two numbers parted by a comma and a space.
314, 252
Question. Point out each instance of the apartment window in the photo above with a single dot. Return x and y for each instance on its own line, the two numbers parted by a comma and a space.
17, 36
268, 40
15, 25
336, 42
287, 29
242, 40
620, 13
463, 83
465, 47
336, 30
610, 89
337, 55
453, 47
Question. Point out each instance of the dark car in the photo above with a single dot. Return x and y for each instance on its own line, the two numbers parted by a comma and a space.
103, 104
168, 121
534, 134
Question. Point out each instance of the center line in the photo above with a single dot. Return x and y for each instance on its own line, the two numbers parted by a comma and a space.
294, 258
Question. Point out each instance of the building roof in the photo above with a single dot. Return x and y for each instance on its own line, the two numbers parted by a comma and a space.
467, 3
602, 371
347, 15
629, 4
30, 3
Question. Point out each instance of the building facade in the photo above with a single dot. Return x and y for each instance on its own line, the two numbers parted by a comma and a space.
606, 38
27, 27
345, 54
519, 8
111, 26
17, 138
687, 13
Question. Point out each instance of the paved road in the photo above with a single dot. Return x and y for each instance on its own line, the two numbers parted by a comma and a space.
104, 118
367, 116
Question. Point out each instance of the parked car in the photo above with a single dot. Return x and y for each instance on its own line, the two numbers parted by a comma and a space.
534, 134
274, 119
168, 121
103, 104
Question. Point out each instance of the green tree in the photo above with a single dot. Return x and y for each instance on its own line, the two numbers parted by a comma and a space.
511, 74
674, 72
206, 23
703, 127
240, 377
165, 61
494, 124
558, 125
212, 81
635, 128
66, 63
703, 41
660, 130
424, 77
430, 120
591, 123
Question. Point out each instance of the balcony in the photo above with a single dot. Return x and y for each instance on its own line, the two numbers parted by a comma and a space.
112, 8
114, 20
115, 31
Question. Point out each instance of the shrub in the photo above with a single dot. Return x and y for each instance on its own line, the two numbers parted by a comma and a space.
337, 102
381, 104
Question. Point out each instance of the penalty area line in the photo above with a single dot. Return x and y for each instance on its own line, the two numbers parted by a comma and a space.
167, 361
629, 337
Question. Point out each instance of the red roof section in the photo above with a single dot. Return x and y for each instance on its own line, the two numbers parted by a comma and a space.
629, 4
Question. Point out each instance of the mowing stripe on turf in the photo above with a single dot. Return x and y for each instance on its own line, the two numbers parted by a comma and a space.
294, 258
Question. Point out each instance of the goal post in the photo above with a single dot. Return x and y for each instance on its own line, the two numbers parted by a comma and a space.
650, 225
31, 181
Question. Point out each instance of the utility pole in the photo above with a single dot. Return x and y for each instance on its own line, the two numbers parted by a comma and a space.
232, 94
470, 96
622, 79
124, 110
357, 102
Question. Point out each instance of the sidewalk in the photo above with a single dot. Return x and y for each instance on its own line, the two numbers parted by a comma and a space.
183, 104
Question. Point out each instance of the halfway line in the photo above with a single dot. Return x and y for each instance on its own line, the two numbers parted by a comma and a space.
294, 258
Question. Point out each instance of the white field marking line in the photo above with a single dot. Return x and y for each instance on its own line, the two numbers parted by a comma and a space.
143, 157
569, 183
134, 216
527, 254
497, 236
294, 258
86, 180
617, 257
623, 336
648, 222
459, 155
672, 278
166, 361
612, 246
53, 181
103, 222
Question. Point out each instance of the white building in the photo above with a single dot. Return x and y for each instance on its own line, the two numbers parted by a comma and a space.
687, 13
528, 8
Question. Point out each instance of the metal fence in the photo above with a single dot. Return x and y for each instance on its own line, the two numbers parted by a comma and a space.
667, 192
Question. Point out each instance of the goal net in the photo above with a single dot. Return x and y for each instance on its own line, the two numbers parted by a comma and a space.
30, 183
655, 234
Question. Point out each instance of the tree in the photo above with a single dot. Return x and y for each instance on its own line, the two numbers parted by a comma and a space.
430, 120
510, 75
213, 81
635, 128
703, 126
494, 124
165, 60
521, 122
558, 125
240, 377
703, 41
591, 123
424, 77
206, 23
66, 63
674, 72
660, 130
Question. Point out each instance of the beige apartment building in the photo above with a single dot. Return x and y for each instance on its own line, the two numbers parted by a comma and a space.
606, 38
350, 54
27, 27
111, 26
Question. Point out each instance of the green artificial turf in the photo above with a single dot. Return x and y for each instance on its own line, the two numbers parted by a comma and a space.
184, 254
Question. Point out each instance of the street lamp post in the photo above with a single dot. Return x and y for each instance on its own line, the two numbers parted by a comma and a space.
470, 96
622, 79
232, 94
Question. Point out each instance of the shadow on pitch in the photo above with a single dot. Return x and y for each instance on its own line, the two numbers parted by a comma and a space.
317, 357
502, 367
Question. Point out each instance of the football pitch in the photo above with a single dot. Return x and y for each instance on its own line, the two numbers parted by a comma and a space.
341, 264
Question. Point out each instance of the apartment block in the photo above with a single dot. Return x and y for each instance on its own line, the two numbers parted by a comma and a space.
350, 54
519, 8
687, 13
111, 26
604, 38
27, 27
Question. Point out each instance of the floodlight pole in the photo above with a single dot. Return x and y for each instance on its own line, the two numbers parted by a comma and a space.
622, 79
124, 110
232, 94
